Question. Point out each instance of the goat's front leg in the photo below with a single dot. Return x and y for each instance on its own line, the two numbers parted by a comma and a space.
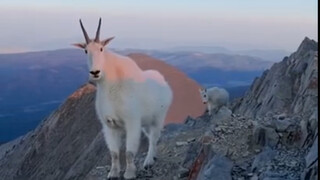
217, 109
113, 140
133, 132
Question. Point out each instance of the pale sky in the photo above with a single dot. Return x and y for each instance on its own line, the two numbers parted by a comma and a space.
235, 24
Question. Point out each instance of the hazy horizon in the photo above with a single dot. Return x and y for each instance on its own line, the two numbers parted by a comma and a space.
46, 25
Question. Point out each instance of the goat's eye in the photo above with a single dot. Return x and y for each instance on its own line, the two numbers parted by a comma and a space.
85, 51
101, 49
205, 95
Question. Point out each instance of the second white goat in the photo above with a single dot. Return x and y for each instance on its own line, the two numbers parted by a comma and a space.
215, 98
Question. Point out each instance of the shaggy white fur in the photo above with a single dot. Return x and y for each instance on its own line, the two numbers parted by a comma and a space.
127, 101
215, 98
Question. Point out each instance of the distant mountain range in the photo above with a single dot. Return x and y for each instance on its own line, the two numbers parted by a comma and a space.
273, 55
222, 70
35, 83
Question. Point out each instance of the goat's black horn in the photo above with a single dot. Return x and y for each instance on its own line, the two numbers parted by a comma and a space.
84, 33
97, 39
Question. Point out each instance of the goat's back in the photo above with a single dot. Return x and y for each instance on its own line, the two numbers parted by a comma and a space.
218, 95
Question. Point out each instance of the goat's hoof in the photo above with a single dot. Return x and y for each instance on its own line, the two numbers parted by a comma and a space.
114, 174
113, 178
147, 167
148, 163
129, 177
129, 174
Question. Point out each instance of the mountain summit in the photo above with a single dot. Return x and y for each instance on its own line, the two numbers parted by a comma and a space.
271, 134
290, 86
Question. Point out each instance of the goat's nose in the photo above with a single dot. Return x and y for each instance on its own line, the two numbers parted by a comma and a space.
95, 72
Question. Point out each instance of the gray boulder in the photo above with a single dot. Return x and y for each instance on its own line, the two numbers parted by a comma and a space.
219, 167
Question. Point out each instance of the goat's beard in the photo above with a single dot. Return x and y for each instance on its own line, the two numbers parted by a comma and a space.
94, 81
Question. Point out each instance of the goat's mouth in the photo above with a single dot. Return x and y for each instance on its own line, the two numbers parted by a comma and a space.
204, 102
95, 77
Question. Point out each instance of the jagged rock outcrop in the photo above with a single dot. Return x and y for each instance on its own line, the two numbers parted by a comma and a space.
284, 103
290, 86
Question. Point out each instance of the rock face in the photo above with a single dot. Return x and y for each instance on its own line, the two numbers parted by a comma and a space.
57, 148
290, 86
284, 102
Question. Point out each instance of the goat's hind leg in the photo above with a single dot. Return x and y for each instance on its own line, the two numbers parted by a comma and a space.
113, 140
153, 139
153, 136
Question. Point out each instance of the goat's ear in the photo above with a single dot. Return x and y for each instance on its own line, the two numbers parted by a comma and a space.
80, 45
106, 41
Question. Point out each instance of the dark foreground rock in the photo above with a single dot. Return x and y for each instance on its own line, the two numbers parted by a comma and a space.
218, 167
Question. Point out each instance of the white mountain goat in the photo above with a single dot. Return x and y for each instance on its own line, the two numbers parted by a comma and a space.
215, 98
128, 100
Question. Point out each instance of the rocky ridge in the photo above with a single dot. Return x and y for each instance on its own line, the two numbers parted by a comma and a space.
271, 133
290, 86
